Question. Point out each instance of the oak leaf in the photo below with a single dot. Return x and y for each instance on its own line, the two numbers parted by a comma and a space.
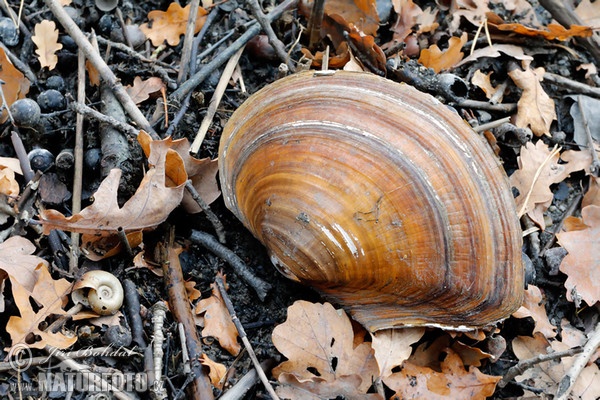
589, 12
553, 31
453, 382
539, 168
50, 296
217, 321
202, 172
535, 109
317, 388
440, 60
362, 13
582, 263
318, 343
142, 89
217, 371
171, 24
46, 40
393, 346
150, 205
407, 15
15, 86
19, 263
483, 81
533, 306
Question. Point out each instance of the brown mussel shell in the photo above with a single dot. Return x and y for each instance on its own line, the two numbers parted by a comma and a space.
377, 195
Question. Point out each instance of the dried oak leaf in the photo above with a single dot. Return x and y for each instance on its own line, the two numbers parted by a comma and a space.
50, 296
150, 205
217, 321
483, 82
592, 197
142, 89
535, 109
553, 31
546, 376
589, 12
46, 40
453, 382
582, 263
318, 343
171, 24
202, 172
407, 16
538, 170
19, 263
362, 13
216, 372
393, 346
293, 388
533, 306
15, 84
440, 60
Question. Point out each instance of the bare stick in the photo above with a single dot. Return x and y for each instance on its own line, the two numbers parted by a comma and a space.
491, 125
571, 85
314, 23
132, 309
188, 41
242, 333
105, 72
215, 101
247, 381
78, 155
524, 365
260, 287
199, 76
159, 311
566, 384
98, 116
273, 39
210, 215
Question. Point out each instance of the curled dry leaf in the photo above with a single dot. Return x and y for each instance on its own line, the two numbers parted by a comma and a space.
19, 263
216, 372
202, 172
582, 263
533, 306
46, 40
15, 86
150, 205
483, 82
171, 24
50, 296
552, 31
142, 89
217, 321
393, 346
318, 343
440, 60
453, 382
535, 108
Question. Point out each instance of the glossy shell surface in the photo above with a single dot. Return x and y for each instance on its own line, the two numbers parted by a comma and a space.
377, 195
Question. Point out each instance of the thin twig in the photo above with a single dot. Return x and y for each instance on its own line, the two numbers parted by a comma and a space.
260, 287
491, 125
273, 39
254, 30
524, 365
132, 310
188, 41
159, 312
566, 384
247, 381
91, 113
215, 101
314, 24
557, 227
210, 215
103, 69
571, 85
484, 105
242, 334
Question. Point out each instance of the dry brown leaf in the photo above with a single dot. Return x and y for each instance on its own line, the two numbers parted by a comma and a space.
171, 24
216, 372
407, 15
317, 388
547, 375
427, 20
582, 263
473, 11
193, 293
50, 295
592, 197
535, 108
217, 321
440, 60
46, 40
453, 382
362, 13
202, 172
553, 31
483, 82
533, 306
393, 346
98, 248
8, 184
589, 12
538, 170
15, 86
318, 338
142, 89
18, 261
150, 205
496, 51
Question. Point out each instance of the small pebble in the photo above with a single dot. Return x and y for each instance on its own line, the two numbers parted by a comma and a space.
9, 33
55, 82
51, 100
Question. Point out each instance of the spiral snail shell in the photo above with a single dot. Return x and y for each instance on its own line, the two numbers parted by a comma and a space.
378, 196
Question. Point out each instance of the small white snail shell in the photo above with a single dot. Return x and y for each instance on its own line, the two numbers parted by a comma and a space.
99, 290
